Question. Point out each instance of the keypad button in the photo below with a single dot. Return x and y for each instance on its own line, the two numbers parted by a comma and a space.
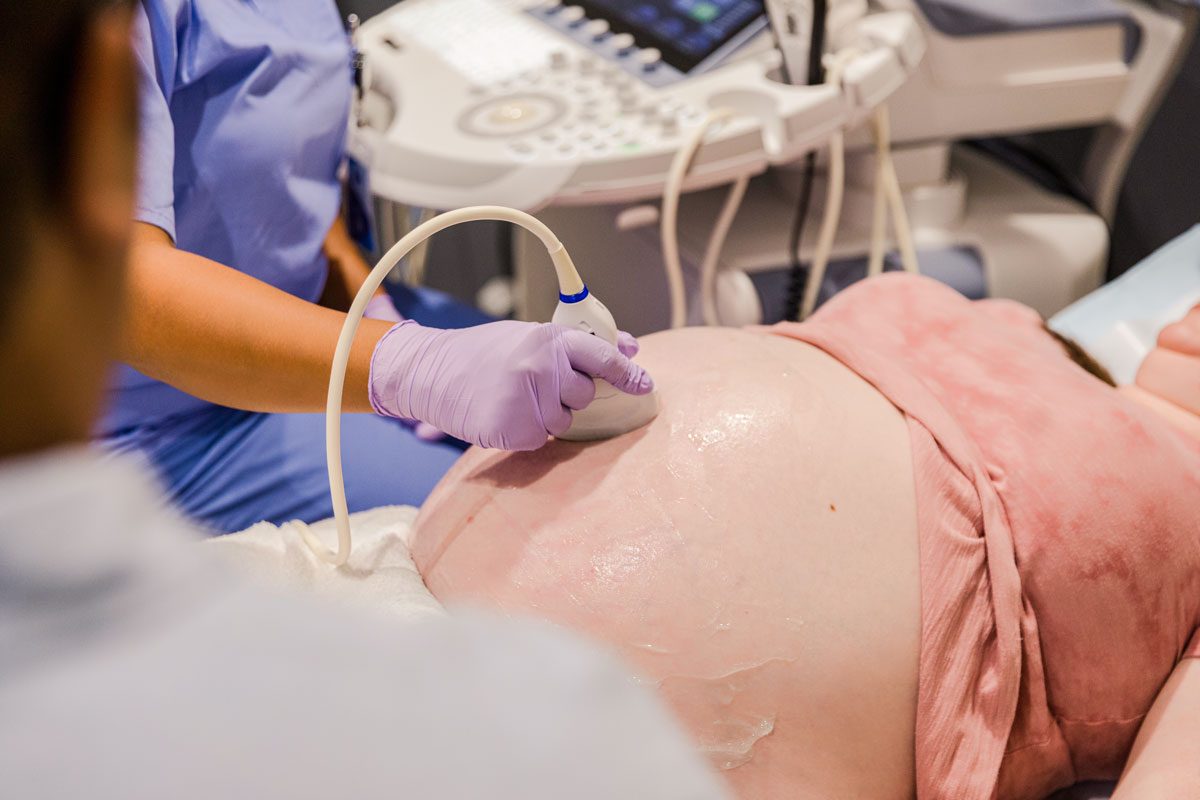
596, 28
650, 57
512, 115
621, 42
572, 14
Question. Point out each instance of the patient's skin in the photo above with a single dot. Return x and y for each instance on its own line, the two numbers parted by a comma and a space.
752, 552
1169, 379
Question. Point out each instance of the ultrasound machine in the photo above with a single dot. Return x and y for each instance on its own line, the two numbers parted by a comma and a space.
577, 111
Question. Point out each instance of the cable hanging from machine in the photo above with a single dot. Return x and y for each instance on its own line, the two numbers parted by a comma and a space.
816, 75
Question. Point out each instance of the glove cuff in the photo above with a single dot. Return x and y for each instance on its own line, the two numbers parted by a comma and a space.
389, 385
382, 308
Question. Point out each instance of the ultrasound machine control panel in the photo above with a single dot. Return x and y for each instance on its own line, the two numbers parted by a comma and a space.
528, 103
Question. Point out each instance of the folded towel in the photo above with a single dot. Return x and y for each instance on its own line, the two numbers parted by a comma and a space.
381, 574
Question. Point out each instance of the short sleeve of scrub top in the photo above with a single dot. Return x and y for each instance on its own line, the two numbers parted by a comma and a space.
243, 120
156, 132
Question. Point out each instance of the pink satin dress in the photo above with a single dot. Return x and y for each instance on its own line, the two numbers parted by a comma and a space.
1059, 539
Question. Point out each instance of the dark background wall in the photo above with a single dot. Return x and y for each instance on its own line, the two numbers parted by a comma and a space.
1160, 200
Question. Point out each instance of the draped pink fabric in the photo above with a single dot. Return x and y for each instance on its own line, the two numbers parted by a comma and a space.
1060, 539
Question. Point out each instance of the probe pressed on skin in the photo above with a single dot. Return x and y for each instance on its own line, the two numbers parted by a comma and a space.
611, 414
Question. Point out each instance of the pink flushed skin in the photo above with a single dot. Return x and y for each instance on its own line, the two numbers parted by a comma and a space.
752, 553
1172, 370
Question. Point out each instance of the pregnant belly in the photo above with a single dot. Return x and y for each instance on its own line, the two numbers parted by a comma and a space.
752, 554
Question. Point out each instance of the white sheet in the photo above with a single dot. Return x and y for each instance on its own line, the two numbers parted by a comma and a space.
381, 574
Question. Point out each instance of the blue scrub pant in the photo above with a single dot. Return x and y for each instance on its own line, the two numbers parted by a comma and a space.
230, 469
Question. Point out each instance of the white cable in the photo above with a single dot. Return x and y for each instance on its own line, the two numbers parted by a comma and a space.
712, 253
569, 283
672, 192
834, 195
895, 195
879, 215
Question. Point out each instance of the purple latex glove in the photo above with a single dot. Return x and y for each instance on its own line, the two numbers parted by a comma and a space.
382, 308
506, 385
628, 345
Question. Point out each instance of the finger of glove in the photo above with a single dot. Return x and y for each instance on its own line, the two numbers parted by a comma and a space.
595, 357
578, 390
627, 344
558, 421
556, 418
428, 433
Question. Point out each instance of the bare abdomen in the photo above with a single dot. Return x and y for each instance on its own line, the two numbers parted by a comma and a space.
752, 554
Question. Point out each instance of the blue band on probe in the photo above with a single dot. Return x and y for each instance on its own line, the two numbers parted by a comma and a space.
574, 298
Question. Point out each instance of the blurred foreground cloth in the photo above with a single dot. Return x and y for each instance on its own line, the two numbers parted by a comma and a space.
381, 574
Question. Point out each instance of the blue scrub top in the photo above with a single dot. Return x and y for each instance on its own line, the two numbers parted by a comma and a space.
244, 109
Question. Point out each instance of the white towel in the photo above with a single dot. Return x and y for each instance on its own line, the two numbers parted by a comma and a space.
381, 574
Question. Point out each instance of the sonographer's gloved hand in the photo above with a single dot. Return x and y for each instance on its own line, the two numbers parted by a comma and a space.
506, 385
628, 345
382, 308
